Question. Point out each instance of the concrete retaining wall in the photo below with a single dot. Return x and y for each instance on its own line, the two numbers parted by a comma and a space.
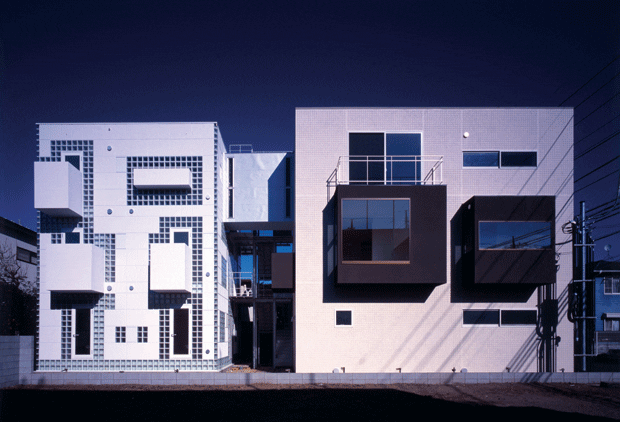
17, 357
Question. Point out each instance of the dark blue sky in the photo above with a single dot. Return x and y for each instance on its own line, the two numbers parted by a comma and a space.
247, 65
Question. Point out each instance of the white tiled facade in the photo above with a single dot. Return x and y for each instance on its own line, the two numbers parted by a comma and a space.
428, 335
101, 260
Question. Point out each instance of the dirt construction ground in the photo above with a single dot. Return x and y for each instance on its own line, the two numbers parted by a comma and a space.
329, 401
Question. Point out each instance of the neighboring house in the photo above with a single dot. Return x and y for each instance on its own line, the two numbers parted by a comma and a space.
606, 276
420, 240
18, 244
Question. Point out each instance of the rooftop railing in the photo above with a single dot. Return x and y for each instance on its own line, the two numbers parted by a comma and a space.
387, 170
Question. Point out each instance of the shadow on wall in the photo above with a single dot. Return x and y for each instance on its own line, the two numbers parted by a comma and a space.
360, 293
279, 191
463, 288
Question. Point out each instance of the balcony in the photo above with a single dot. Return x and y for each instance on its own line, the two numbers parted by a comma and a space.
387, 170
78, 268
245, 286
58, 189
171, 268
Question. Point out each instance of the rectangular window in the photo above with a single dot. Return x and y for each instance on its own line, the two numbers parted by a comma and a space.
181, 237
611, 324
480, 317
224, 272
26, 255
222, 326
518, 159
74, 160
72, 238
385, 158
375, 230
481, 159
120, 336
513, 317
612, 285
514, 235
230, 187
143, 334
344, 318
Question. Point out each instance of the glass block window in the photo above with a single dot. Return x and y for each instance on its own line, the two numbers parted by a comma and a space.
143, 334
224, 272
120, 335
136, 197
222, 326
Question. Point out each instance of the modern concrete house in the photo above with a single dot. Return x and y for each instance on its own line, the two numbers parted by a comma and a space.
429, 240
391, 239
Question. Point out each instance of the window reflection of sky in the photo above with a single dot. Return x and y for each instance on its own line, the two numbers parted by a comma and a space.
375, 214
515, 235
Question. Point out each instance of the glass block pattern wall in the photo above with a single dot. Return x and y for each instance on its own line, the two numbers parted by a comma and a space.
125, 325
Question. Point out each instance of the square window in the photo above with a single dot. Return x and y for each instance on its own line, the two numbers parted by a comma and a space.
375, 230
72, 238
344, 318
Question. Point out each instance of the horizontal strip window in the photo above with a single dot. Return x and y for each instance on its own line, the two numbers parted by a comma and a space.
514, 235
480, 159
26, 255
496, 317
480, 317
499, 159
519, 317
518, 159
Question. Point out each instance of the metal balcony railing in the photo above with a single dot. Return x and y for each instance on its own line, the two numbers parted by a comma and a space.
246, 286
240, 148
387, 170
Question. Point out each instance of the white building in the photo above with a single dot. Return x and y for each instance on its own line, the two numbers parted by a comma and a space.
456, 296
411, 231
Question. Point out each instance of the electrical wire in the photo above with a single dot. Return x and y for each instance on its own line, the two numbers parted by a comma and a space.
589, 80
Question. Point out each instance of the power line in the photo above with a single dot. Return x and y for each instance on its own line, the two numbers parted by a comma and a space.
595, 130
601, 87
597, 108
598, 145
589, 80
609, 235
598, 168
598, 180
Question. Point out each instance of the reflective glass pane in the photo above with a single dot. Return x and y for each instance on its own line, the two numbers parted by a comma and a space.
514, 235
518, 159
406, 168
480, 159
375, 229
